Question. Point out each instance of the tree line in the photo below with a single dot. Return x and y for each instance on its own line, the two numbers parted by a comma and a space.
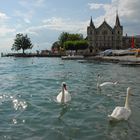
66, 41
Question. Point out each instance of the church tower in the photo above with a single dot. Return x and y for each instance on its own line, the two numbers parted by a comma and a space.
105, 37
91, 35
118, 34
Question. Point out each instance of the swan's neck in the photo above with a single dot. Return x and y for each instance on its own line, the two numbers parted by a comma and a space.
127, 101
98, 84
63, 95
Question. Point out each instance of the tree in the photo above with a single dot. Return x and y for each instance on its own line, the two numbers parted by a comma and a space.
56, 45
22, 42
76, 45
69, 45
65, 36
74, 37
81, 44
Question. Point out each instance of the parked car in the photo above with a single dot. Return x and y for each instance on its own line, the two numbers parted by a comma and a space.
106, 53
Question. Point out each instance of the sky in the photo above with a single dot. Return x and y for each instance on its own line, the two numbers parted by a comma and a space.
44, 20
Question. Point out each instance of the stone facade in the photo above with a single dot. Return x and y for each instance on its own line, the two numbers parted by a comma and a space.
105, 37
127, 41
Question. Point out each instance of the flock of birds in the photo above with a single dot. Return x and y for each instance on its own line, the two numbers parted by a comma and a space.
118, 114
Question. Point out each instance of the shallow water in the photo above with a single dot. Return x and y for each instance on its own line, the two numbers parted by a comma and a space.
29, 111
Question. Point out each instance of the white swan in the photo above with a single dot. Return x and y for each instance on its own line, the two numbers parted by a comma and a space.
122, 113
64, 96
105, 83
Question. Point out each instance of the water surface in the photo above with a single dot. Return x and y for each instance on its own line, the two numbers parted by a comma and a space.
28, 107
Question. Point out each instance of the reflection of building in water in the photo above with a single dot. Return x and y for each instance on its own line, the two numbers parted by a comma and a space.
105, 37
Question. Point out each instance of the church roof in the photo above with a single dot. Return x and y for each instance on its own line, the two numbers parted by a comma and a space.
105, 24
91, 23
117, 21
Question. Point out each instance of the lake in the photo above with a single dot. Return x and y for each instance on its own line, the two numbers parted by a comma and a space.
29, 111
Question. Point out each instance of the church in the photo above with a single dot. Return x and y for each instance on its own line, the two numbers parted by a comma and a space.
105, 37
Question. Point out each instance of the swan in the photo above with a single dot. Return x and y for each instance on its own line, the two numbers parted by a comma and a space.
122, 113
105, 83
64, 96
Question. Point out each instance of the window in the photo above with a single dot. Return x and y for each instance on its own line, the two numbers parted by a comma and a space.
109, 38
90, 32
104, 32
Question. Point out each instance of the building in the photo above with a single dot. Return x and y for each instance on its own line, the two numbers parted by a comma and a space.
105, 37
45, 52
127, 41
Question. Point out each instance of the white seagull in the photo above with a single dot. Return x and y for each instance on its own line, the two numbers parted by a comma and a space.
122, 113
64, 96
105, 83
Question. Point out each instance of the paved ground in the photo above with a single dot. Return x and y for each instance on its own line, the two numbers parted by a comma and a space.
116, 59
123, 58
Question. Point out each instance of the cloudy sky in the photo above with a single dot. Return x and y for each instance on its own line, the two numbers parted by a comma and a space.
44, 20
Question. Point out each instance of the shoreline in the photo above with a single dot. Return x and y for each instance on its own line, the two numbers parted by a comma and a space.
30, 55
116, 59
113, 59
122, 60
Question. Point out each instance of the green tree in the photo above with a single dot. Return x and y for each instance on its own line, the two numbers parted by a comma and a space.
76, 45
81, 44
73, 37
69, 45
56, 45
63, 38
22, 42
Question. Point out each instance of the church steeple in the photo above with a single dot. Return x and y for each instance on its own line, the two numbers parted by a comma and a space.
117, 20
91, 23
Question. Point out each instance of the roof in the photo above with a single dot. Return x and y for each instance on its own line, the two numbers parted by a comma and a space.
117, 21
91, 23
105, 24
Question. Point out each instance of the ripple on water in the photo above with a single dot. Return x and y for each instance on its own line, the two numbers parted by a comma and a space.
22, 105
29, 111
